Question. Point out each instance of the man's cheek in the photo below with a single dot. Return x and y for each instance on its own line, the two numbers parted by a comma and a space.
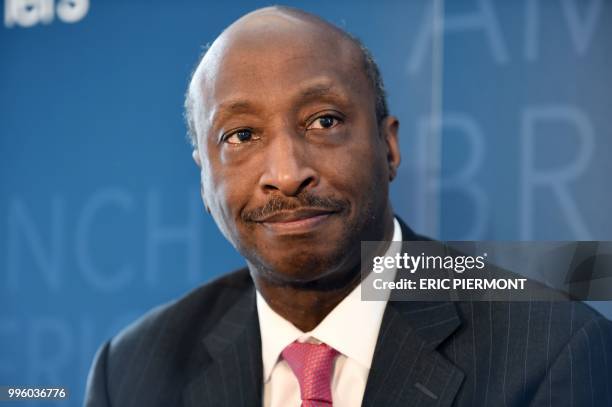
229, 197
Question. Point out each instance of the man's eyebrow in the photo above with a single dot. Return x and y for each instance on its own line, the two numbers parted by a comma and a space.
232, 107
319, 90
237, 106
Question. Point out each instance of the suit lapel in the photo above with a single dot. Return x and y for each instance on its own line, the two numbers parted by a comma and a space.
406, 368
231, 370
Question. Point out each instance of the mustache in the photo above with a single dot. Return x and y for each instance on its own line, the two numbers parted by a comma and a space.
303, 200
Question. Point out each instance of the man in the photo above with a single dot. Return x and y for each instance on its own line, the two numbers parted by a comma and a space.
296, 149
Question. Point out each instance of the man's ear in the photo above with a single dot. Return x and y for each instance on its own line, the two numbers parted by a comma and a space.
195, 154
390, 129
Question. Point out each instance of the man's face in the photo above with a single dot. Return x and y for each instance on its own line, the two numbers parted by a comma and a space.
295, 168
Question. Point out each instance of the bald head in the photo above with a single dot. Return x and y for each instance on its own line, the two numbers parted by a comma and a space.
282, 29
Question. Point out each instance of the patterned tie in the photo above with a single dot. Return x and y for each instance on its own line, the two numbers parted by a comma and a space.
312, 365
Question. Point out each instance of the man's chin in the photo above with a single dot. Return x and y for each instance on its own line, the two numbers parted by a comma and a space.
308, 269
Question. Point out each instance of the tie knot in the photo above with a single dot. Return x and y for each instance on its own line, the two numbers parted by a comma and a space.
312, 365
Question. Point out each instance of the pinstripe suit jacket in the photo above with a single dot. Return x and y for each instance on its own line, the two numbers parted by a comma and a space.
205, 350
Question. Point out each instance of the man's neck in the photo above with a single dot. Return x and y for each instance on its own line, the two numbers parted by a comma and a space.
306, 308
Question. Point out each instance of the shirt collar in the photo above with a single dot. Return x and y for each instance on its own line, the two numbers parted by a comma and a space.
338, 329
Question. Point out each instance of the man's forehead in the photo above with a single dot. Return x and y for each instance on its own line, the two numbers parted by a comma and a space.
275, 23
270, 36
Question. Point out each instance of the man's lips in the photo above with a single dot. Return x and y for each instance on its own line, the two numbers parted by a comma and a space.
300, 220
294, 215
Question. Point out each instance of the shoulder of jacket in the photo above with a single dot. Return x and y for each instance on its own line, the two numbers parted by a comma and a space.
189, 316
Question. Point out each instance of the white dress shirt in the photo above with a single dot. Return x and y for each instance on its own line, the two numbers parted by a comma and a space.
351, 328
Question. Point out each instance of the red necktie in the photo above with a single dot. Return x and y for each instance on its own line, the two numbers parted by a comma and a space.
312, 365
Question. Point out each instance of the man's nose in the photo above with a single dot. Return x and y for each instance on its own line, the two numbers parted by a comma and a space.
288, 168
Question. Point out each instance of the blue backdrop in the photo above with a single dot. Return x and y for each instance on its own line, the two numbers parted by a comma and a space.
505, 134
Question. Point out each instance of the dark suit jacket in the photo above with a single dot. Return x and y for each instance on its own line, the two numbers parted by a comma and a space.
205, 350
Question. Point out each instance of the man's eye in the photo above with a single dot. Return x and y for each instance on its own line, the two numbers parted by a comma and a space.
240, 136
324, 122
